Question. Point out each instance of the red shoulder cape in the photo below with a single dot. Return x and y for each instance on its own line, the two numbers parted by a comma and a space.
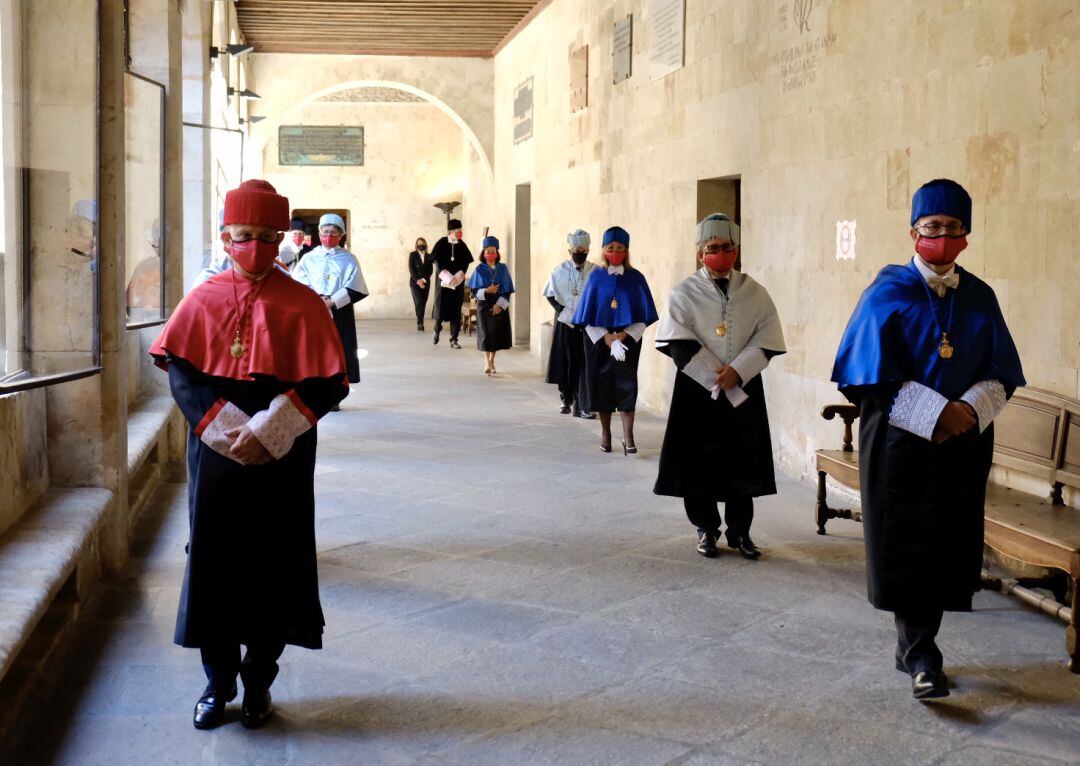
288, 333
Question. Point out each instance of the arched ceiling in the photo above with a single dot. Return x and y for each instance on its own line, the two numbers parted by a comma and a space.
383, 27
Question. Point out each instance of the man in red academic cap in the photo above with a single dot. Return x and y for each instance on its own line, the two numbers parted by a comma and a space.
254, 361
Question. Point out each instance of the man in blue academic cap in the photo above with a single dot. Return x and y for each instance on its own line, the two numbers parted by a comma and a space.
930, 361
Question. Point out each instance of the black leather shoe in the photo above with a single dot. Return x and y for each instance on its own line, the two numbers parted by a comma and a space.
929, 684
435, 338
706, 544
210, 709
564, 410
745, 546
454, 343
585, 415
257, 708
419, 328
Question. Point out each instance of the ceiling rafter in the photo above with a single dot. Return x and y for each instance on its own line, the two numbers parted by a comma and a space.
384, 27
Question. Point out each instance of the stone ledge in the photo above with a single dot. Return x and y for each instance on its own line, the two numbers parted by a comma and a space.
37, 557
146, 421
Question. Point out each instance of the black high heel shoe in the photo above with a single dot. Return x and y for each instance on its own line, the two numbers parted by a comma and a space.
628, 450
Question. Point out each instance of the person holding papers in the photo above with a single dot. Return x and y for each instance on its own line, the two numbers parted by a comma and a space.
566, 364
614, 310
720, 327
452, 259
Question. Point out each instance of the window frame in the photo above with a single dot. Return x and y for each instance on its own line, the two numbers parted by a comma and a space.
25, 380
163, 311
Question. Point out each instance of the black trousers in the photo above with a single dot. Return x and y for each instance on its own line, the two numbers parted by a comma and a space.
258, 669
916, 630
455, 327
419, 298
704, 513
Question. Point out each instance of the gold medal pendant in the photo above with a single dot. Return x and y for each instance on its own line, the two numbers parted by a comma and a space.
614, 303
945, 349
236, 349
721, 329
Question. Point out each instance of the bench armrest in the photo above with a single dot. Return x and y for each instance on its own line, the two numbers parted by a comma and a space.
849, 413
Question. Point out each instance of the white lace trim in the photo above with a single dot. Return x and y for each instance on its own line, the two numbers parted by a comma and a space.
749, 363
213, 436
917, 409
277, 427
987, 397
595, 333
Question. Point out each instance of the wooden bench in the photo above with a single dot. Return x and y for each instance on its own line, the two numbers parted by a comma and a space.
1037, 435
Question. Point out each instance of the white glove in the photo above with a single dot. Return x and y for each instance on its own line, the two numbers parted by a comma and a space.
618, 350
715, 391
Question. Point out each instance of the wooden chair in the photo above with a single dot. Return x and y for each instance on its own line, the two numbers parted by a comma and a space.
841, 464
468, 312
1038, 435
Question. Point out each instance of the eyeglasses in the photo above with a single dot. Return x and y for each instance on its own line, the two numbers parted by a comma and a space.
933, 229
714, 249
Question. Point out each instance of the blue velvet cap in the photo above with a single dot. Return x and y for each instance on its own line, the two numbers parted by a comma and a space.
617, 234
490, 242
942, 197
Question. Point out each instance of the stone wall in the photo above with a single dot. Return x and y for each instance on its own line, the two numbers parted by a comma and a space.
840, 115
413, 158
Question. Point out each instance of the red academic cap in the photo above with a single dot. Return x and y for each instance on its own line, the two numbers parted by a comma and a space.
257, 203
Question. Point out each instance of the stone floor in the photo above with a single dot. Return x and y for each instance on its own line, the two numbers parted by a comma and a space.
498, 591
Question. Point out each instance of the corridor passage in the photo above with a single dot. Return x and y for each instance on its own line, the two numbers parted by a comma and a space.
498, 591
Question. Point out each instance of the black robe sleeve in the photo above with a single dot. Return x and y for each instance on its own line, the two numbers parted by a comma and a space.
320, 394
555, 304
192, 391
680, 351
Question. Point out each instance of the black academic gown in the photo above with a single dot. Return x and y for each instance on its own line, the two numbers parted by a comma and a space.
566, 362
345, 321
452, 258
420, 267
711, 449
251, 571
922, 509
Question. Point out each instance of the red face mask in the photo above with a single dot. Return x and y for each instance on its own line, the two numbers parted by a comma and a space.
329, 240
722, 261
616, 258
491, 258
940, 250
254, 256
298, 237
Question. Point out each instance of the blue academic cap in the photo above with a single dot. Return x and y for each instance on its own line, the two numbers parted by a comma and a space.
942, 197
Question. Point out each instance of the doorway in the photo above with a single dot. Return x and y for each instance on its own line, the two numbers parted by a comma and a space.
521, 259
311, 217
721, 195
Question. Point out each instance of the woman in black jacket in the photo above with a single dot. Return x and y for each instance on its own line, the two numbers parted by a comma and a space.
420, 263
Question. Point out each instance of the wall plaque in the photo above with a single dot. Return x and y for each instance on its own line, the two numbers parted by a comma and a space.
523, 111
320, 145
579, 78
622, 50
667, 36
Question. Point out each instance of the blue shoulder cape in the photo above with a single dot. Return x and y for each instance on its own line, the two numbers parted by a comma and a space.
483, 276
632, 296
894, 335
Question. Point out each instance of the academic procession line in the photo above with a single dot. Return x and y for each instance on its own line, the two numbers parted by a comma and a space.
257, 355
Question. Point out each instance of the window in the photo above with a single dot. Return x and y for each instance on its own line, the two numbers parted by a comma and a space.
144, 203
49, 323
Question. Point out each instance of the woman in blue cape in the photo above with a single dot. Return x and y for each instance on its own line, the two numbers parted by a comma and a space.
615, 309
492, 286
930, 361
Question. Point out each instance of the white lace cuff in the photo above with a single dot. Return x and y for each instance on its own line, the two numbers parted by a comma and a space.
595, 333
636, 331
341, 298
917, 409
219, 419
702, 369
749, 363
277, 427
987, 398
503, 303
